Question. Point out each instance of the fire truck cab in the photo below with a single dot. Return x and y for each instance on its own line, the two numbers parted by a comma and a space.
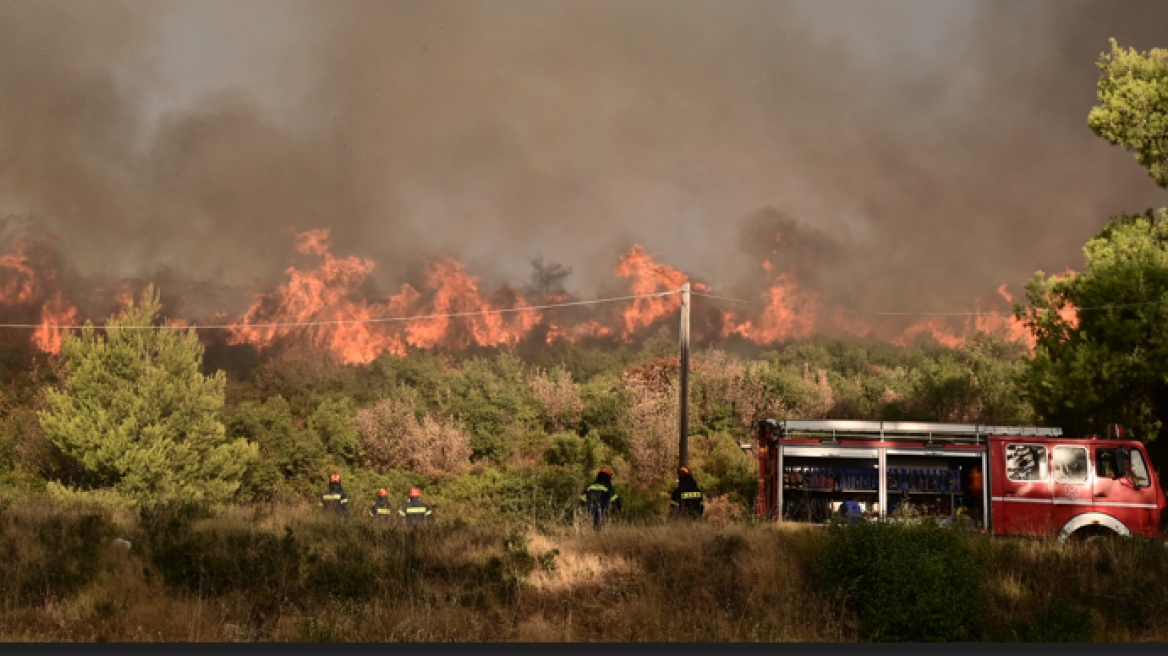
1007, 480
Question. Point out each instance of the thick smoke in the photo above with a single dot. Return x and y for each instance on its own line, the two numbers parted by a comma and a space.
914, 155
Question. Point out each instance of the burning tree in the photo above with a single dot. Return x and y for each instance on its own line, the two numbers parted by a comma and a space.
139, 417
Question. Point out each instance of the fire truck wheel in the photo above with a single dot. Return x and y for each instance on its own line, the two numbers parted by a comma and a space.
1092, 524
1093, 535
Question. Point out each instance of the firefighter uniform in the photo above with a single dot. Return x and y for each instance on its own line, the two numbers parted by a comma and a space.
335, 501
415, 513
600, 498
687, 501
381, 510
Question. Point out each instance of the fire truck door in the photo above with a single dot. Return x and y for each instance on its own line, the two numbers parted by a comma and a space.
1130, 498
1022, 498
1072, 484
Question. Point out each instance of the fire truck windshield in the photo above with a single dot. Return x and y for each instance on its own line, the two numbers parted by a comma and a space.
1139, 471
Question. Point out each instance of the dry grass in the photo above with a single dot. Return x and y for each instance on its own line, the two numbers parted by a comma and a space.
730, 581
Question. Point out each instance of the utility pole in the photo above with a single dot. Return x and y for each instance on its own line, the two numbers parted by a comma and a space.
683, 401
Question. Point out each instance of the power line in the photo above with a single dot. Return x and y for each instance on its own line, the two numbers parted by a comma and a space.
915, 314
307, 324
303, 324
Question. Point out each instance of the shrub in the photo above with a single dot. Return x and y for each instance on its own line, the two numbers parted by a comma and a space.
49, 558
393, 437
333, 423
915, 583
558, 396
202, 563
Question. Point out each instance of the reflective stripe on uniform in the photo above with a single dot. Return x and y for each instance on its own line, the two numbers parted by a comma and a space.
344, 501
429, 512
384, 511
691, 495
331, 497
416, 510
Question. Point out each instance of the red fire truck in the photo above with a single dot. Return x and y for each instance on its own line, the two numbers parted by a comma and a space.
1007, 480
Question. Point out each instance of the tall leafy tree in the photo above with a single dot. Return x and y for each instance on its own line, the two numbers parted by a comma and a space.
1094, 367
1133, 91
138, 415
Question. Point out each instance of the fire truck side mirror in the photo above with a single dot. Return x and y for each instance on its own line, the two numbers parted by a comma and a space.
1121, 462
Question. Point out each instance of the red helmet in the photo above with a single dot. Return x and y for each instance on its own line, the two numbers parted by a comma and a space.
604, 470
335, 478
382, 493
415, 492
684, 471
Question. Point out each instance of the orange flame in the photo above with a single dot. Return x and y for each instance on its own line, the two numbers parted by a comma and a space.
1009, 327
935, 327
25, 281
780, 320
323, 300
455, 292
55, 313
21, 284
320, 299
648, 277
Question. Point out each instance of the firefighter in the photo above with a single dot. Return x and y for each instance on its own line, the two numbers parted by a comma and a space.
686, 502
599, 498
381, 510
335, 501
415, 512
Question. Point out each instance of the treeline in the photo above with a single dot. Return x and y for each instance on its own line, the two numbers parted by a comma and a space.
495, 434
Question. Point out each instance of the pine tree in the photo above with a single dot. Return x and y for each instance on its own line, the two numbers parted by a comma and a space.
1133, 109
136, 413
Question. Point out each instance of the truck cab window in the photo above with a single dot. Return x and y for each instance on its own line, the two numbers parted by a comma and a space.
1105, 463
1139, 471
1026, 462
1070, 464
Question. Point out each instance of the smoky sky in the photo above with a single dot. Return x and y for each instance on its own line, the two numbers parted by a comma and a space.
916, 155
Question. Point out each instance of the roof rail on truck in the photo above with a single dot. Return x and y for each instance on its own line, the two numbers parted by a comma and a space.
900, 430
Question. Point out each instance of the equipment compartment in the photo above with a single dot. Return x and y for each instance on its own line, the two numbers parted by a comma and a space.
816, 488
935, 486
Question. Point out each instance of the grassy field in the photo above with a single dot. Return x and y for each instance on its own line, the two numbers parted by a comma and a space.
288, 574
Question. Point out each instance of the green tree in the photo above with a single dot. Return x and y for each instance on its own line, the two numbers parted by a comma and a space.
136, 413
1096, 367
333, 423
1133, 89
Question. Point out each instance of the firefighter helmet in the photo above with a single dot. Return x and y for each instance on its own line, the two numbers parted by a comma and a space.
415, 492
604, 470
684, 471
335, 478
382, 493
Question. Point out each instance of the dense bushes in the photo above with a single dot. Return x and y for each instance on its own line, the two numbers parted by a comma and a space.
47, 558
914, 583
565, 410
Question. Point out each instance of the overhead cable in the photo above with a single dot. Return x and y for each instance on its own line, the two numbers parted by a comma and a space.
915, 314
304, 324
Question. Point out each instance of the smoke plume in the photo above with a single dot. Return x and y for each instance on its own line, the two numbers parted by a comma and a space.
883, 156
